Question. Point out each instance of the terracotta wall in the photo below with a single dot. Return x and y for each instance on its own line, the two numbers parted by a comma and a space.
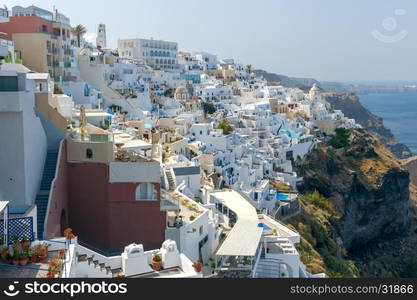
132, 221
107, 216
88, 204
25, 24
59, 199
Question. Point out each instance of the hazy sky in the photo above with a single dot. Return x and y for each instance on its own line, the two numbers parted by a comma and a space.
324, 39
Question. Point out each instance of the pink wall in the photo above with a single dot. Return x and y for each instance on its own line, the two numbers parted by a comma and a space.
59, 199
107, 216
101, 214
132, 221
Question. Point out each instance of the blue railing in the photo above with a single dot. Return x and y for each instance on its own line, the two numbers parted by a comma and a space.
18, 228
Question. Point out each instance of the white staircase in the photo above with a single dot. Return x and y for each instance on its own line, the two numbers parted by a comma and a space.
97, 269
171, 179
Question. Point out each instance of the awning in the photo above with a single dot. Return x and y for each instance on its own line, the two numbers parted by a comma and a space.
244, 238
137, 145
3, 205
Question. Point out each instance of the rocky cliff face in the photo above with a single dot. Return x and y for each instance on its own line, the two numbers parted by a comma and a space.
350, 105
411, 165
369, 202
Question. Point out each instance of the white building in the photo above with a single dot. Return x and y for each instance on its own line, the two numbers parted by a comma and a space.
24, 143
206, 60
101, 36
158, 54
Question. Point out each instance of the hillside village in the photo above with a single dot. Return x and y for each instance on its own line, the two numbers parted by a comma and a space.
163, 163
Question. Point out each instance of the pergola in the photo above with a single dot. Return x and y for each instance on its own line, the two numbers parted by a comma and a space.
240, 248
4, 209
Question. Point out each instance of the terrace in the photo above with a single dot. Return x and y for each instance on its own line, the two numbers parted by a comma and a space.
135, 262
38, 267
188, 211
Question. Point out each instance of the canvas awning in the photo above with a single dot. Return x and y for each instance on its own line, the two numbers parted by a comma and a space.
3, 205
244, 238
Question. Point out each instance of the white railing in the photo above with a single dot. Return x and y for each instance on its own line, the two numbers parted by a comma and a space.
258, 259
70, 262
113, 262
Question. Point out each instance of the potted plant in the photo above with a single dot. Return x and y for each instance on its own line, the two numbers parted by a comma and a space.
8, 258
213, 267
15, 258
25, 244
61, 254
198, 266
4, 253
54, 268
69, 235
157, 262
16, 246
24, 259
33, 255
42, 252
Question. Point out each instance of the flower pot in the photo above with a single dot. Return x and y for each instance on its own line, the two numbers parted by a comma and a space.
15, 262
156, 265
197, 269
34, 258
61, 254
42, 258
4, 254
198, 266
24, 262
51, 275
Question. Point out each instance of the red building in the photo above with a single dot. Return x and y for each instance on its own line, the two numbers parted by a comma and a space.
107, 211
26, 24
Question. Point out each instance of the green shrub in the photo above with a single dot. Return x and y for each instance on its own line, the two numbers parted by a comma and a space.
58, 90
341, 139
318, 200
315, 183
225, 125
208, 108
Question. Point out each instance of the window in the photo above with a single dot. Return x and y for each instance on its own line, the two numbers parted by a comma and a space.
89, 154
146, 192
201, 230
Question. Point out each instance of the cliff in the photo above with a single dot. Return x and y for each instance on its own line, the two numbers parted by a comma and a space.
304, 83
350, 105
411, 165
357, 217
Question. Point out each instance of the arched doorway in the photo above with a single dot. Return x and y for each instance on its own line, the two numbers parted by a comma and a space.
63, 221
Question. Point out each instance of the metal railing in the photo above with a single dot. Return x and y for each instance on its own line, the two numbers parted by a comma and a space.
100, 251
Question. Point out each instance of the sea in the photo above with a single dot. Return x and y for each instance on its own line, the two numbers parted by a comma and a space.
399, 111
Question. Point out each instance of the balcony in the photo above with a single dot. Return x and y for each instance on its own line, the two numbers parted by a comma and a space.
68, 51
188, 211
